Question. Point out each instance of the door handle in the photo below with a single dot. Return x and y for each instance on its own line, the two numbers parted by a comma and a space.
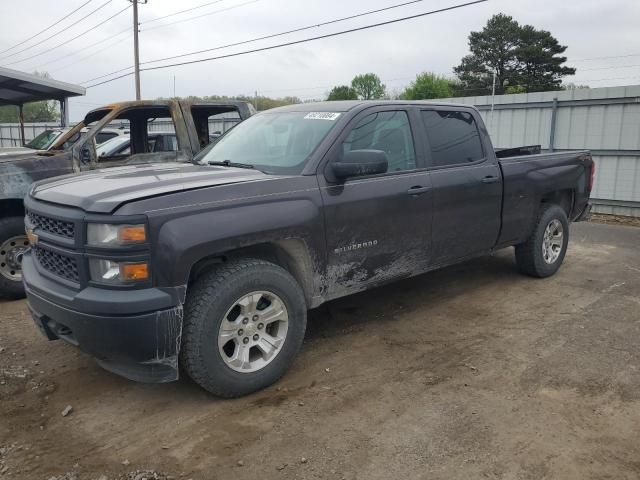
489, 179
417, 190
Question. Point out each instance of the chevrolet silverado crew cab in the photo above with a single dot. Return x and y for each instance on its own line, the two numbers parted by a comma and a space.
79, 148
211, 266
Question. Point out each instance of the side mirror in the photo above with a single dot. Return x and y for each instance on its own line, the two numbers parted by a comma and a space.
357, 163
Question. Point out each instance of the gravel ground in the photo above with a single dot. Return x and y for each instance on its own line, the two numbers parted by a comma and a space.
470, 372
615, 219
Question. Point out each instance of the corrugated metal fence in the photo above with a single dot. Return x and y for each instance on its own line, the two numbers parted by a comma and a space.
603, 120
10, 132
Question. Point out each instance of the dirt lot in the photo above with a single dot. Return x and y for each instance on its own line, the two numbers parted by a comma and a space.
470, 372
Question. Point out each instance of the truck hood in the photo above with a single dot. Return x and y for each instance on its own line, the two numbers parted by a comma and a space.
102, 191
10, 150
10, 153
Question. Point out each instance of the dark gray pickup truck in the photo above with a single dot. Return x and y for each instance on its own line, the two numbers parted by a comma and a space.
212, 265
74, 150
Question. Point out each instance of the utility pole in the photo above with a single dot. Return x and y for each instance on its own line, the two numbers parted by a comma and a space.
493, 95
255, 100
136, 52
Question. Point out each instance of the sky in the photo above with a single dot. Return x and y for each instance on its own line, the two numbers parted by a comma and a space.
396, 53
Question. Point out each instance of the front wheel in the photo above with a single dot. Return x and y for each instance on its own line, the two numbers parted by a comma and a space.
13, 244
244, 324
543, 252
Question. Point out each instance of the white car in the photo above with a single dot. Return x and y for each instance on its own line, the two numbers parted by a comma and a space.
156, 142
43, 142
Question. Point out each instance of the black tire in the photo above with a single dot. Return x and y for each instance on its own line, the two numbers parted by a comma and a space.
11, 227
209, 299
529, 255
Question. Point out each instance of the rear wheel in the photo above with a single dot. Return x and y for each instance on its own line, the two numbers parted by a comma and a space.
244, 323
543, 252
13, 244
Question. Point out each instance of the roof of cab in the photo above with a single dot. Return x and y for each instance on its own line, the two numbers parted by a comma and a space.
347, 105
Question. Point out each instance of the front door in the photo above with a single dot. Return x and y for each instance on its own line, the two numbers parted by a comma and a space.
378, 226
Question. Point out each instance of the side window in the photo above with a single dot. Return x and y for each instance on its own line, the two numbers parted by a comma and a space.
212, 121
102, 137
453, 137
386, 131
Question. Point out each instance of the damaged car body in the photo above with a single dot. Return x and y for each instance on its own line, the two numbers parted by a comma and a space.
211, 266
74, 151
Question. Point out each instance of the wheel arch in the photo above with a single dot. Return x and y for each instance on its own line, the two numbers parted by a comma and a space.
564, 198
292, 254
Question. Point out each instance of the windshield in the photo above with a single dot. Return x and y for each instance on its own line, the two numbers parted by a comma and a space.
44, 140
272, 142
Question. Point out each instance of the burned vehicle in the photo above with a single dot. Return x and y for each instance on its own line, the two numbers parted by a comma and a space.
209, 268
75, 151
45, 140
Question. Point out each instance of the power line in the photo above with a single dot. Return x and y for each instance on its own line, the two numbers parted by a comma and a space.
108, 74
72, 39
608, 68
61, 31
297, 42
320, 87
181, 11
92, 53
607, 57
265, 37
295, 30
84, 49
47, 28
197, 17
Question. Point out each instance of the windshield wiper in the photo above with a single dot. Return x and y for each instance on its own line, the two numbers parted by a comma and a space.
229, 163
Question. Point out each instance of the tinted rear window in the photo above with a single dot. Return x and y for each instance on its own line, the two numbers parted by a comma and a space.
453, 137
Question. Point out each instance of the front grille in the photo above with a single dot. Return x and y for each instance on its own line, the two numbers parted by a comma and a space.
61, 265
51, 225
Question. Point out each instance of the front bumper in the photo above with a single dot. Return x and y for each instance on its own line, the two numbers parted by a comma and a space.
135, 334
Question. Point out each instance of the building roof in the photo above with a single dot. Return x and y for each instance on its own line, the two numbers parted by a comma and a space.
18, 87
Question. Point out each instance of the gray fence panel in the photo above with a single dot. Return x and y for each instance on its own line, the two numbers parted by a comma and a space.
10, 132
604, 120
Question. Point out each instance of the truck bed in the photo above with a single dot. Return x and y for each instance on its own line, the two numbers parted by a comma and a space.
527, 179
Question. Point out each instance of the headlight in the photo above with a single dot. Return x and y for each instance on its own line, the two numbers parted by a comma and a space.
105, 234
115, 273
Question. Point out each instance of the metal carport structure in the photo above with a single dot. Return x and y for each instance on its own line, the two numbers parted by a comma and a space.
18, 88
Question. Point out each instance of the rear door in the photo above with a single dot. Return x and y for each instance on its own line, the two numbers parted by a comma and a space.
467, 184
378, 226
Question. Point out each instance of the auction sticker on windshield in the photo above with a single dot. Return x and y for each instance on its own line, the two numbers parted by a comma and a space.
322, 116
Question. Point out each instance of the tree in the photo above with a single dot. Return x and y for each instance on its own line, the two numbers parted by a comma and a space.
573, 86
539, 64
45, 111
429, 85
520, 56
368, 86
342, 92
263, 103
